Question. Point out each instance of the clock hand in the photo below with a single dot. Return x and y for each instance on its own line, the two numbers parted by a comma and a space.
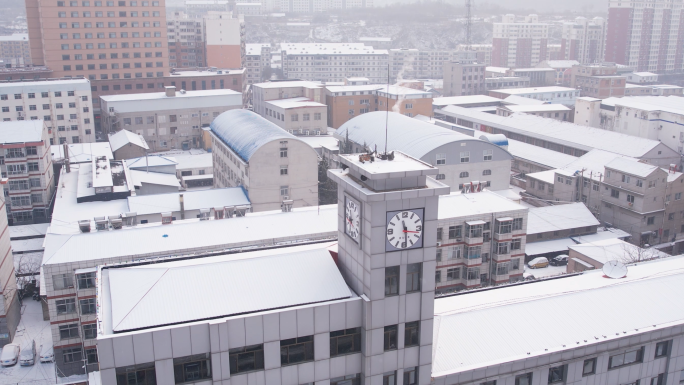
406, 231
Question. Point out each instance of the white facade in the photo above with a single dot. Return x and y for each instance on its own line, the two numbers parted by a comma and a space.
65, 105
298, 116
555, 95
508, 39
641, 77
15, 50
584, 40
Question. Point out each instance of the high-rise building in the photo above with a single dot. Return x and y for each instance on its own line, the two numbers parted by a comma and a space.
646, 35
464, 76
225, 40
186, 41
15, 50
583, 40
333, 62
519, 44
99, 39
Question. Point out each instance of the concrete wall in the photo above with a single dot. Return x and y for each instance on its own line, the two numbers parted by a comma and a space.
129, 151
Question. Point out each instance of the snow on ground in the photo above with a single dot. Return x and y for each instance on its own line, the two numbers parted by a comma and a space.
31, 327
548, 271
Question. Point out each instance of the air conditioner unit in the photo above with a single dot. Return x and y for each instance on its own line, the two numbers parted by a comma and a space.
286, 197
439, 243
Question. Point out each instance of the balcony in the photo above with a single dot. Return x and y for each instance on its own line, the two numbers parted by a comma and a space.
473, 232
503, 236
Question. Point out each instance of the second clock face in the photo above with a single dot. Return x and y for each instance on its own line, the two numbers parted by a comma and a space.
404, 230
352, 219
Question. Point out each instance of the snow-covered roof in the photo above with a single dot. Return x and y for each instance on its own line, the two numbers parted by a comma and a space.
289, 103
461, 205
643, 74
190, 161
158, 178
63, 85
566, 313
552, 246
561, 63
547, 176
616, 249
255, 49
15, 37
245, 132
81, 152
497, 69
192, 200
24, 231
536, 108
632, 167
125, 137
539, 155
410, 136
559, 217
534, 90
327, 141
556, 131
151, 161
191, 237
673, 104
290, 83
522, 101
27, 245
464, 100
330, 49
148, 296
593, 163
601, 234
21, 131
158, 101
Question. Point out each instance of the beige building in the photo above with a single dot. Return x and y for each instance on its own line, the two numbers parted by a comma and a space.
264, 92
15, 50
298, 116
99, 39
167, 120
27, 163
257, 58
186, 40
465, 76
225, 43
271, 164
66, 106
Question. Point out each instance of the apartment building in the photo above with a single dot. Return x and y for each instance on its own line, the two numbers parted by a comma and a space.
27, 163
10, 311
298, 116
642, 78
168, 120
418, 64
519, 44
348, 101
583, 40
257, 58
277, 90
481, 241
333, 62
651, 117
272, 165
186, 41
100, 39
553, 94
483, 52
506, 82
465, 76
465, 163
65, 105
562, 68
646, 35
225, 40
15, 50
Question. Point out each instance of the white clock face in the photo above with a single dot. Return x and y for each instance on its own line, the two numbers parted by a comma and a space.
404, 229
352, 219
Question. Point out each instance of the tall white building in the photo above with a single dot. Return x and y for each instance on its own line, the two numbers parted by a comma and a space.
519, 44
65, 105
333, 62
257, 58
583, 40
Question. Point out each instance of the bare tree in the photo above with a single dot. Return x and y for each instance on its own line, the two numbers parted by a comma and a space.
27, 268
633, 254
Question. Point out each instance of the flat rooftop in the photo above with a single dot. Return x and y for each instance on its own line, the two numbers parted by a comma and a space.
672, 104
290, 83
21, 131
330, 49
291, 103
560, 217
537, 108
381, 169
534, 90
464, 100
458, 205
556, 315
192, 200
614, 249
539, 155
81, 152
192, 290
190, 73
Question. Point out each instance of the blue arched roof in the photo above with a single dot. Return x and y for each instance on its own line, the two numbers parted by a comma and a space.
245, 131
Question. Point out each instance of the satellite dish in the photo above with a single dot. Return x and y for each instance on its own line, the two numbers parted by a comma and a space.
615, 269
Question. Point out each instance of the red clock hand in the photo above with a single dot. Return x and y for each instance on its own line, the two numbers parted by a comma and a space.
406, 231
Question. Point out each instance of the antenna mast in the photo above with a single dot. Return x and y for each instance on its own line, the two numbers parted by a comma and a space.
387, 104
469, 23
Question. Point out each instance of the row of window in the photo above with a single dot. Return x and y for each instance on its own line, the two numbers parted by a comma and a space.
68, 306
34, 107
305, 117
473, 273
20, 168
65, 281
475, 231
76, 355
111, 24
46, 94
464, 157
413, 279
24, 184
75, 14
86, 3
127, 75
475, 252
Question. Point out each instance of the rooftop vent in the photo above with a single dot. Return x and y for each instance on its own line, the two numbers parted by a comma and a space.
167, 218
129, 219
101, 224
229, 211
286, 206
240, 211
116, 222
84, 226
205, 214
219, 213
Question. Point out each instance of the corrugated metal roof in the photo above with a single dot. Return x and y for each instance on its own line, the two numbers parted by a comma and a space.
410, 136
147, 297
632, 166
546, 317
559, 217
539, 155
245, 132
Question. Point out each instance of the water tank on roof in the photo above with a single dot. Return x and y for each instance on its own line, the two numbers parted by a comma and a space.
499, 139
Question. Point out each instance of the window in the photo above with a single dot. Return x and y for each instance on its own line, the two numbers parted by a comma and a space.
630, 198
488, 154
91, 356
486, 172
68, 331
517, 224
90, 331
283, 152
589, 367
390, 338
441, 159
294, 117
87, 306
463, 174
614, 193
557, 374
352, 379
453, 274
86, 280
345, 342
412, 333
192, 368
650, 220
75, 355
392, 280
454, 252
284, 190
524, 379
246, 358
678, 196
413, 277
465, 157
455, 232
62, 281
473, 252
440, 177
626, 358
283, 170
661, 349
33, 166
502, 248
66, 306
438, 273
411, 376
625, 178
658, 380
504, 226
142, 374
317, 116
389, 378
295, 350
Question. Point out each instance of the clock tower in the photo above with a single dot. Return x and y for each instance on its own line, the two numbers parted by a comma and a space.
387, 239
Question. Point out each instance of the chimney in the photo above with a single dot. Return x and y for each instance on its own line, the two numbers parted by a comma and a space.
66, 158
170, 91
182, 206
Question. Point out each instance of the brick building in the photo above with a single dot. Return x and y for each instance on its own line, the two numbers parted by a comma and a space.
519, 44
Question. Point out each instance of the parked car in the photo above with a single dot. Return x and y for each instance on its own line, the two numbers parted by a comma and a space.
538, 263
47, 355
10, 354
28, 354
559, 260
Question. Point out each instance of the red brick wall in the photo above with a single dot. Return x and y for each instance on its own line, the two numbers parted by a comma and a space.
523, 55
664, 39
617, 34
679, 57
646, 36
500, 52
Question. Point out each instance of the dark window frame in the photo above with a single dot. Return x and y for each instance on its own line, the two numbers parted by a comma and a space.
412, 334
289, 350
343, 338
246, 355
184, 371
390, 338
